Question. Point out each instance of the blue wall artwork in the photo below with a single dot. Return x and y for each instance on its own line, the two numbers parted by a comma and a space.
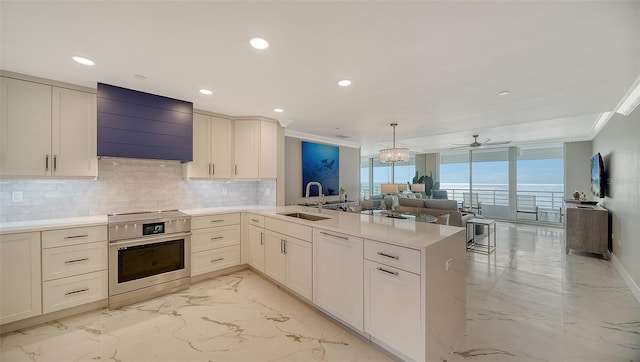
320, 163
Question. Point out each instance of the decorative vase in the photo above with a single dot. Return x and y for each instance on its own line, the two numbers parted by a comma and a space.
576, 195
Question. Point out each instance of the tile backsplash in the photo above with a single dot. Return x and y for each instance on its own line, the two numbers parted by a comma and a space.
125, 185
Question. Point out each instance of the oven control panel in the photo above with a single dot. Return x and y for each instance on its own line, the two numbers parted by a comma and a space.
137, 229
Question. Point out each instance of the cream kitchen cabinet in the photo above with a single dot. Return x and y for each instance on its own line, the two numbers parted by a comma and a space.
255, 236
20, 276
74, 267
255, 149
288, 255
389, 285
211, 147
215, 242
47, 130
337, 276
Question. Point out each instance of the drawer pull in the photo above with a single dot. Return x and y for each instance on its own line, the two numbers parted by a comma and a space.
76, 261
388, 256
335, 236
76, 236
217, 260
77, 291
255, 220
388, 271
217, 238
261, 238
219, 220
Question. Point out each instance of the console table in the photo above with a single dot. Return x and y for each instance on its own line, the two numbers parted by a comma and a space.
587, 228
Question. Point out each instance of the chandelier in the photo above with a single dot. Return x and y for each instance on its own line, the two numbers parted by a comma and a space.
394, 154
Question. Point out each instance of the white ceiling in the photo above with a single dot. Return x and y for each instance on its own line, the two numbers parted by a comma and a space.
435, 68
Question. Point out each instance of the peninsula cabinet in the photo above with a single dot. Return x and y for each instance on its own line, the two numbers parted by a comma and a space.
255, 149
586, 228
20, 277
338, 275
288, 255
46, 130
211, 147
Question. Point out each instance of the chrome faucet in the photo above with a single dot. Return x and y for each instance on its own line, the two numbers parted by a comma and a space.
320, 194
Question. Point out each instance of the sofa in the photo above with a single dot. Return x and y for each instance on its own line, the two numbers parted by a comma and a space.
437, 208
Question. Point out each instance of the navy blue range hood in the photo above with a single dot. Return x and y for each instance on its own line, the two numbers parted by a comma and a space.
135, 124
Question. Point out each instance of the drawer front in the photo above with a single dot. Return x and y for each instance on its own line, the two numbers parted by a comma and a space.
393, 255
302, 232
73, 236
212, 238
201, 222
73, 291
212, 260
72, 260
255, 219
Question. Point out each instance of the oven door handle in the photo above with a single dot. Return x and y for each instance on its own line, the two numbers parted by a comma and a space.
143, 241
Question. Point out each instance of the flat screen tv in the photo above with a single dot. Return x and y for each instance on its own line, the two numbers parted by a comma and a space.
598, 179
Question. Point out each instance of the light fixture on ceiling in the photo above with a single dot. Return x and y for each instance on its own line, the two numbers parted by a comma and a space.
630, 102
503, 93
259, 43
344, 83
84, 61
140, 76
389, 155
205, 91
278, 110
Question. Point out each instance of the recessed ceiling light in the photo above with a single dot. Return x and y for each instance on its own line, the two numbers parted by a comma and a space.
205, 91
344, 83
140, 76
84, 61
503, 93
278, 110
259, 43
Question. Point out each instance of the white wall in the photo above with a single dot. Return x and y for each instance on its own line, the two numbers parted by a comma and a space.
577, 168
617, 142
125, 185
349, 172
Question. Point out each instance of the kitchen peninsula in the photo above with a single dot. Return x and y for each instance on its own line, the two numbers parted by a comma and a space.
398, 282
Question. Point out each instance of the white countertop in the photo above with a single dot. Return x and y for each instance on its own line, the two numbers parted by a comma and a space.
395, 231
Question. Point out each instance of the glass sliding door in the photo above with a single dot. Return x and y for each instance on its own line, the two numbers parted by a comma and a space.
540, 187
488, 193
454, 174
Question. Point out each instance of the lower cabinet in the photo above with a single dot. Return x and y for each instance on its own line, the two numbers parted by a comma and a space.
72, 291
337, 277
392, 297
20, 277
215, 242
256, 247
288, 260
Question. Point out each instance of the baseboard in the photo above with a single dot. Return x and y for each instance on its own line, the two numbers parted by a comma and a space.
627, 278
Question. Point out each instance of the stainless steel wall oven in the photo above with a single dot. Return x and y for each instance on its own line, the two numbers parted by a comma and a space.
149, 255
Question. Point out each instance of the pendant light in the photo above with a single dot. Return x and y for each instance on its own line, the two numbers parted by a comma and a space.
389, 155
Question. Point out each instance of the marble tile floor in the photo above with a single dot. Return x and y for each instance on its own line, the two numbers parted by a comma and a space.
528, 301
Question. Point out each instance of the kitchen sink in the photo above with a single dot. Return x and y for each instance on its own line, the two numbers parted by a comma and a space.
300, 215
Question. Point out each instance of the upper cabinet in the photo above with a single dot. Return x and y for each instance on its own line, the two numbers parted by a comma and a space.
46, 130
255, 149
211, 147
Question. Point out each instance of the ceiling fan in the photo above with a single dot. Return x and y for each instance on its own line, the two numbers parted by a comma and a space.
476, 144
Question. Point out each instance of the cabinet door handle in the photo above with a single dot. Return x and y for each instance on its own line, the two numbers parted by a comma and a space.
217, 260
76, 260
217, 238
219, 220
77, 291
261, 238
213, 168
46, 162
55, 162
209, 169
235, 169
255, 220
387, 271
335, 236
76, 236
388, 256
285, 247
